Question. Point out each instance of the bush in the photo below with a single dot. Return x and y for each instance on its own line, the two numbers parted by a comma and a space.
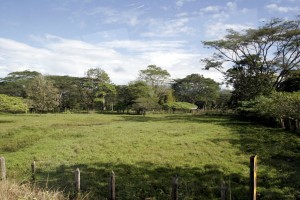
12, 104
183, 106
282, 106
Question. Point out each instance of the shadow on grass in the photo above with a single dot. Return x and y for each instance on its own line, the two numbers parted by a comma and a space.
278, 151
145, 180
278, 157
176, 118
6, 121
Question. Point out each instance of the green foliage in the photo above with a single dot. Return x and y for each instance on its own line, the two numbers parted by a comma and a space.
195, 89
15, 83
71, 90
279, 109
260, 58
291, 83
154, 76
142, 104
97, 88
43, 95
138, 95
223, 100
157, 78
185, 106
279, 105
12, 104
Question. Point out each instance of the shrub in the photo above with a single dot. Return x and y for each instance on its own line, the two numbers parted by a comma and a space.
12, 104
184, 106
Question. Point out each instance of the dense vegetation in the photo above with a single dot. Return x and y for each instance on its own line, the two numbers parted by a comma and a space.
146, 152
151, 91
264, 66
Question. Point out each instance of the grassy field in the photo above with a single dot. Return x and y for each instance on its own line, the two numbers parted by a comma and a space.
146, 152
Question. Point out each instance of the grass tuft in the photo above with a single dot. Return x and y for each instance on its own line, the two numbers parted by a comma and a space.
13, 191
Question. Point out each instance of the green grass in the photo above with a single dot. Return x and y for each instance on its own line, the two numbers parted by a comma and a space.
146, 152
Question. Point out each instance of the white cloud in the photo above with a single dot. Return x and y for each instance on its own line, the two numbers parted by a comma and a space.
276, 8
169, 28
212, 9
218, 30
111, 15
144, 46
231, 6
179, 3
121, 59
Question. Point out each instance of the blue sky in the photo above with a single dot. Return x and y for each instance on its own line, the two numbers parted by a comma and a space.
67, 37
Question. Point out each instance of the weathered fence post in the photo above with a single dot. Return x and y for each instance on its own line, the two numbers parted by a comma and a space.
112, 186
3, 168
174, 194
253, 169
224, 191
33, 169
77, 181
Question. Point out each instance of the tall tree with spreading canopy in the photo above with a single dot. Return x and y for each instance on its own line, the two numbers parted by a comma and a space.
196, 89
98, 87
15, 83
157, 78
71, 90
260, 59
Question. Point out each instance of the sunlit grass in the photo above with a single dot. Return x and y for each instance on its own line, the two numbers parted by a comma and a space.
146, 152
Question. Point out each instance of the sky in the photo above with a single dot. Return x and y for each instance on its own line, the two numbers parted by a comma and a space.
122, 37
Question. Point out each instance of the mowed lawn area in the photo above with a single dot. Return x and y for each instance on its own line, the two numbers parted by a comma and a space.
147, 152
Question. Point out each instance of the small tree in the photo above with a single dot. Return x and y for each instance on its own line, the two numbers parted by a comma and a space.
45, 97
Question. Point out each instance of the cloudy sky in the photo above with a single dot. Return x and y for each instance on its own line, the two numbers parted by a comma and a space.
68, 37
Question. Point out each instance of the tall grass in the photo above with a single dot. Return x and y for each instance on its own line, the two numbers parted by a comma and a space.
146, 152
14, 191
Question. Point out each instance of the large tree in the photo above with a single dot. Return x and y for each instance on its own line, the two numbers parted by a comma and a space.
259, 59
98, 87
196, 89
43, 95
158, 79
137, 95
15, 83
71, 91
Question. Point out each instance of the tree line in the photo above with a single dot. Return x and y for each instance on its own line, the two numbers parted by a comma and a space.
153, 90
261, 65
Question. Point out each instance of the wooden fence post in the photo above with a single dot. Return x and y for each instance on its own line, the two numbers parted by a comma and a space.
77, 181
224, 191
33, 169
174, 194
3, 169
253, 177
112, 186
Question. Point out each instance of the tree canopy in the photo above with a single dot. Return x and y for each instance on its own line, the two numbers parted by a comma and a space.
196, 89
43, 95
260, 59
